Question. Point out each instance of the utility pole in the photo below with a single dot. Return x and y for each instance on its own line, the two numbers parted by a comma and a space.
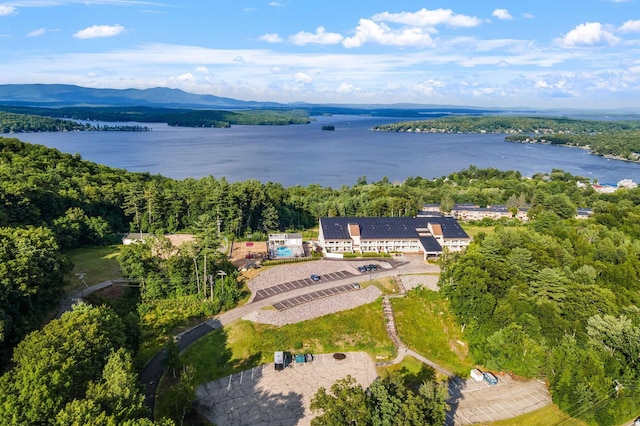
222, 274
210, 277
81, 278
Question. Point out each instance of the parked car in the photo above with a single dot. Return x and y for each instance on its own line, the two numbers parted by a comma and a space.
315, 277
362, 268
373, 267
490, 378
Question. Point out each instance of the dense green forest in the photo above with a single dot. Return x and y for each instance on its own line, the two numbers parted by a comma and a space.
555, 298
18, 123
559, 300
619, 139
510, 124
171, 116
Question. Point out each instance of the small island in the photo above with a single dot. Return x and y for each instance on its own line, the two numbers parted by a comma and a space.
329, 127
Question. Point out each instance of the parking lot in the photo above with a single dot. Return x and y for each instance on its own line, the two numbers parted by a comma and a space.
304, 282
263, 396
478, 402
310, 297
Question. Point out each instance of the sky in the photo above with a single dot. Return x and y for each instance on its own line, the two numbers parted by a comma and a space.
509, 53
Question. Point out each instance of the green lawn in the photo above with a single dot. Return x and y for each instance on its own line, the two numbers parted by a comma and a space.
413, 371
244, 344
426, 326
549, 415
473, 230
98, 264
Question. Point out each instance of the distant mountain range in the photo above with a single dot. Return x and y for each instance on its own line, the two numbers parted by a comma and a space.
66, 95
57, 95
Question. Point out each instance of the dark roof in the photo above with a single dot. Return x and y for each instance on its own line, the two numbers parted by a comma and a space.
430, 244
336, 228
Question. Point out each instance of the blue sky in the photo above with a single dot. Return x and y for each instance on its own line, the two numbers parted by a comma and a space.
556, 54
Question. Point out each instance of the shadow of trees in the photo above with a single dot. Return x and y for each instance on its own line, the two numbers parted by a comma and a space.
456, 385
250, 396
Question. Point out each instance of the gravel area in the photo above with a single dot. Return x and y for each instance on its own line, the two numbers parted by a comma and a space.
427, 281
316, 308
296, 271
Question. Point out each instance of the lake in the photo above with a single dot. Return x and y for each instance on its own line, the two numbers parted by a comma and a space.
305, 154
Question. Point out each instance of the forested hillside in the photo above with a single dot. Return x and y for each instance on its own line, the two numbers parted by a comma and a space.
555, 298
18, 123
615, 138
21, 118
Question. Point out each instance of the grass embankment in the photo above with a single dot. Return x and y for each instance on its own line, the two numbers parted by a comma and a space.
387, 285
425, 324
244, 344
97, 264
413, 371
549, 415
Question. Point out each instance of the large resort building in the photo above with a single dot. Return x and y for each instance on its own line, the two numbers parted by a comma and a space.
427, 235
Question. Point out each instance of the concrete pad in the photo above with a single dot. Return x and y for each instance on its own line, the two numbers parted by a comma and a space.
267, 397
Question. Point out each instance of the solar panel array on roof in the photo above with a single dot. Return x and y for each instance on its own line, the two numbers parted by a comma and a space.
430, 244
336, 228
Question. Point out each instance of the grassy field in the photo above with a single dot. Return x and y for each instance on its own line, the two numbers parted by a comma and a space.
473, 230
425, 324
549, 415
244, 344
98, 264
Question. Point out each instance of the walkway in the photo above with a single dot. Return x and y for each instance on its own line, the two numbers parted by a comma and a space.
68, 302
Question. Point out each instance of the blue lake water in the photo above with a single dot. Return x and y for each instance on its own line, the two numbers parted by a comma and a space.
305, 154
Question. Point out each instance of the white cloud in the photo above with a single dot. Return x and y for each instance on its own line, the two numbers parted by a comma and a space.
589, 34
346, 88
276, 4
271, 38
202, 70
429, 18
630, 26
6, 10
428, 87
100, 31
483, 91
502, 14
186, 77
36, 33
321, 36
371, 32
527, 15
302, 78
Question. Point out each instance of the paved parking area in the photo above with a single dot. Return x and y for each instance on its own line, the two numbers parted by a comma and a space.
309, 297
305, 282
477, 402
263, 396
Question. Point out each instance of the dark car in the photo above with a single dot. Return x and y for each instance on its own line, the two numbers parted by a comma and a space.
373, 267
362, 268
315, 277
